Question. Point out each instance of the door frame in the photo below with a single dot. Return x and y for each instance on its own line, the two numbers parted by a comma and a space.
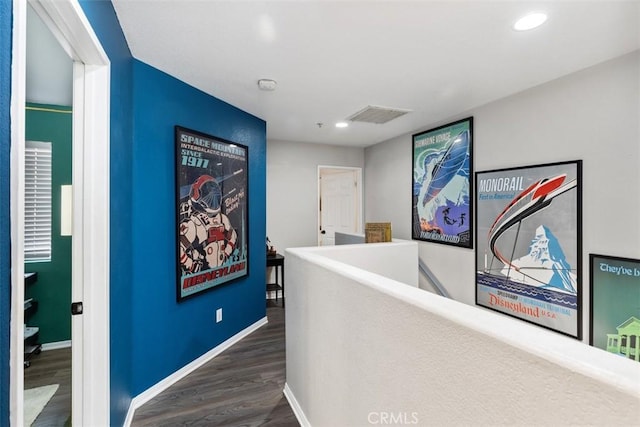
323, 169
90, 233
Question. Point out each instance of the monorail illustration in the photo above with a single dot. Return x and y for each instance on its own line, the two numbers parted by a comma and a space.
534, 198
448, 166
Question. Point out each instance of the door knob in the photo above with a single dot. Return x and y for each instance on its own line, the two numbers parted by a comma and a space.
76, 308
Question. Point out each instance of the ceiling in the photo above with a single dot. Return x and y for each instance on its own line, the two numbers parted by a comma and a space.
331, 59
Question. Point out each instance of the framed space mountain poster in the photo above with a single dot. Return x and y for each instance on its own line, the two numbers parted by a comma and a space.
528, 244
442, 206
211, 201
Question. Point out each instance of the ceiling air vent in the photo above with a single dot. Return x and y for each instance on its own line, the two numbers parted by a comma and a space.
378, 115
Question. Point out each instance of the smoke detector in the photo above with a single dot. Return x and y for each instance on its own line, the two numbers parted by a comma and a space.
267, 84
378, 115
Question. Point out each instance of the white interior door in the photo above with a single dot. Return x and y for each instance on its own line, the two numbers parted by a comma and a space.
338, 204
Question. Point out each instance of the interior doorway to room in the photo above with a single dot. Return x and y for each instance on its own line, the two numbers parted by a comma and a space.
339, 202
47, 245
90, 206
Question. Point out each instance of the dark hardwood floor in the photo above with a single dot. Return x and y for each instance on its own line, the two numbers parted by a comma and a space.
240, 387
52, 367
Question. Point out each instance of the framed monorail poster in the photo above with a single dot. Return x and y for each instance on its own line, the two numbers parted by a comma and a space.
615, 305
442, 206
528, 244
211, 199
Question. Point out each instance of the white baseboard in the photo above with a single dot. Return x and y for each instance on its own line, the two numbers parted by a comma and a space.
295, 406
161, 386
56, 345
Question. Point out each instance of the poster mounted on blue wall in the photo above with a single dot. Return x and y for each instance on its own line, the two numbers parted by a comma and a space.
212, 211
442, 206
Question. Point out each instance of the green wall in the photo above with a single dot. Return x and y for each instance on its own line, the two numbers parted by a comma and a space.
52, 123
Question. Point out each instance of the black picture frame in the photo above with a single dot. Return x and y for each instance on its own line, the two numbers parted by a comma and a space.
211, 211
442, 185
528, 244
614, 287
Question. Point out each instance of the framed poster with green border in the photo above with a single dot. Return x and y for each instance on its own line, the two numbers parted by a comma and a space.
615, 305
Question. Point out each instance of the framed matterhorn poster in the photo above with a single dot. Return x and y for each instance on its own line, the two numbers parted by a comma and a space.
528, 244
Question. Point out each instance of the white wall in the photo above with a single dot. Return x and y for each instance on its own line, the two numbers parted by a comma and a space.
292, 188
360, 346
591, 115
397, 260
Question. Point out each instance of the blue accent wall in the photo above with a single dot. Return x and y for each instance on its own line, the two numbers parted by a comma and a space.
5, 203
166, 334
152, 335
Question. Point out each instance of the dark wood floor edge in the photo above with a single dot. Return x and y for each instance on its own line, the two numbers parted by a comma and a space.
295, 406
144, 397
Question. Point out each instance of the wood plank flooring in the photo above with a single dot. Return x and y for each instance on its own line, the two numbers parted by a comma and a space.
240, 387
52, 367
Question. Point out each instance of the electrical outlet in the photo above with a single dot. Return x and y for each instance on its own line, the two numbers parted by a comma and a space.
219, 315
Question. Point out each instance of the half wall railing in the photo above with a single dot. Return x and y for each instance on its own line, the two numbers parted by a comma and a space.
437, 286
364, 344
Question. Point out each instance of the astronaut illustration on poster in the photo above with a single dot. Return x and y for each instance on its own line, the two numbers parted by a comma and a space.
207, 238
212, 211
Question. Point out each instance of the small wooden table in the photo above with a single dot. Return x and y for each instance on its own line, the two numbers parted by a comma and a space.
276, 261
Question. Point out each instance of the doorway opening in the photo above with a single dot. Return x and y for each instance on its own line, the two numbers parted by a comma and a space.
90, 228
48, 261
339, 202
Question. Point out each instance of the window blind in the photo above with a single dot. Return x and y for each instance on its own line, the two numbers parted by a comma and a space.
37, 201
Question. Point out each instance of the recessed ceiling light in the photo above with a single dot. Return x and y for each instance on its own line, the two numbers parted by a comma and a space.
530, 21
342, 124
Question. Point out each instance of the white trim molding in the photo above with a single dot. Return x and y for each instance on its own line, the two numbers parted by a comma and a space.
295, 406
56, 345
72, 29
92, 236
18, 102
161, 386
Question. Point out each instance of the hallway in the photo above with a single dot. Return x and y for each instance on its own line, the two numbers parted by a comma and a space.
240, 387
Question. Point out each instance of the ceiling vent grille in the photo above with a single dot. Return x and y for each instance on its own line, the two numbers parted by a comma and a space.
378, 115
